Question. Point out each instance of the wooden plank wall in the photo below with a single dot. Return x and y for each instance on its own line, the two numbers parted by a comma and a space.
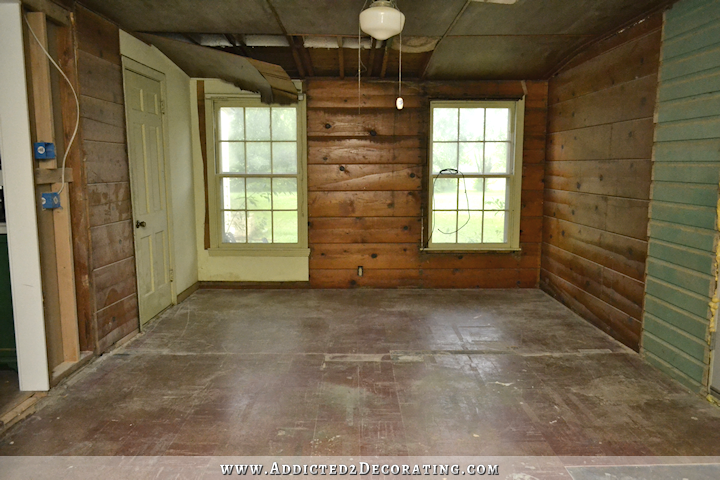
105, 182
597, 180
367, 177
681, 274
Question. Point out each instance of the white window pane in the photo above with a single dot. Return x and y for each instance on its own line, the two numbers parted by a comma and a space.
471, 158
471, 191
284, 124
444, 226
444, 156
472, 231
494, 227
496, 194
232, 157
285, 194
497, 124
257, 123
234, 227
284, 157
285, 227
233, 193
445, 124
259, 227
258, 157
497, 158
232, 123
258, 194
445, 194
472, 124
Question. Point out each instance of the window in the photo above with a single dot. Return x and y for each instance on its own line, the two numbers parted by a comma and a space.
475, 175
258, 184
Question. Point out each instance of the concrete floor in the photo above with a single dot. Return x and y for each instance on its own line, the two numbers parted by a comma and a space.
369, 372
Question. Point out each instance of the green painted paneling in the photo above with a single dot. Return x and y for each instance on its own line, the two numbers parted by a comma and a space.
707, 81
702, 128
675, 357
683, 211
682, 319
681, 277
687, 215
697, 106
678, 297
672, 372
688, 344
691, 258
701, 173
690, 41
688, 151
686, 193
690, 15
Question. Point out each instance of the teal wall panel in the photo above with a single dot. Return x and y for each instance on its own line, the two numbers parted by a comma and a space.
683, 210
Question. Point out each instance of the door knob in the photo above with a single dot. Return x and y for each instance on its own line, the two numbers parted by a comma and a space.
139, 224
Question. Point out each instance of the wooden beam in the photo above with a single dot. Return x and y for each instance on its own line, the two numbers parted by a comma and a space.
78, 194
203, 149
386, 57
296, 56
341, 57
61, 252
47, 176
306, 57
371, 62
53, 11
291, 42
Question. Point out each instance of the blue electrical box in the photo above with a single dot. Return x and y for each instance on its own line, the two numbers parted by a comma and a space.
44, 151
50, 201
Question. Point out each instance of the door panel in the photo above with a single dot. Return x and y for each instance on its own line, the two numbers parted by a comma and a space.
147, 166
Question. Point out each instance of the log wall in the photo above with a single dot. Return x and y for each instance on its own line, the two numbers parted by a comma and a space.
597, 180
367, 180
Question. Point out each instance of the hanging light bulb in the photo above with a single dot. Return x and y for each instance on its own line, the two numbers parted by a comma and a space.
399, 103
382, 20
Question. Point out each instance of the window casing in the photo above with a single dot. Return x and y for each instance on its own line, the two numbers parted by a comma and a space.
475, 175
256, 179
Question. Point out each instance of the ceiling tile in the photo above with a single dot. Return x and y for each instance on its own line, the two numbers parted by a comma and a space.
189, 16
560, 17
494, 58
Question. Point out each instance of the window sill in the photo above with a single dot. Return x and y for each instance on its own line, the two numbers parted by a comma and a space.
465, 250
259, 252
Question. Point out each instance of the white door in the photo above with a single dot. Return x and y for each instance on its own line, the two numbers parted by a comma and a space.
143, 103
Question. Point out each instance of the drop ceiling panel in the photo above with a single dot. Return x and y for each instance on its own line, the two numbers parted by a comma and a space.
319, 17
499, 58
189, 16
429, 18
558, 17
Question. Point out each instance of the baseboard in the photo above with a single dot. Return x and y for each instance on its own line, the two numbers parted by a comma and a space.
255, 285
187, 292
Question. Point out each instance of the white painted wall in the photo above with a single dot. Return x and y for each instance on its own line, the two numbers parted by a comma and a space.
19, 186
180, 156
218, 267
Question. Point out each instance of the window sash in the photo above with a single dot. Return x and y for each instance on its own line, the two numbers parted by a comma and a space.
463, 207
281, 233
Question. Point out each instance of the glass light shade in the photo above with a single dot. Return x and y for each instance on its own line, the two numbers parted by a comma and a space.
381, 20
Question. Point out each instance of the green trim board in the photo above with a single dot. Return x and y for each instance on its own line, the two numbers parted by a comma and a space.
683, 232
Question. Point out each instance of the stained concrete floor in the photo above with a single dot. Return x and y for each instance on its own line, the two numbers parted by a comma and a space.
369, 372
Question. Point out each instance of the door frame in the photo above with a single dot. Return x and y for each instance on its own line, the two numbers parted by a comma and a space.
130, 65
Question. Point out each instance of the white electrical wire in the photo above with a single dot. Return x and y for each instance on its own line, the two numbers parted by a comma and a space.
77, 103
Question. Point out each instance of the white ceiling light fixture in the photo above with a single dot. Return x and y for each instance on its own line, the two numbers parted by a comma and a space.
382, 19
